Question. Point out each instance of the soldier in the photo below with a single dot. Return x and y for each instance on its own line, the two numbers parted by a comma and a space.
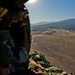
9, 11
21, 28
13, 10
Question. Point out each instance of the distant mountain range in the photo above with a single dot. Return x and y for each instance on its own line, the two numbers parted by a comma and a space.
40, 23
68, 24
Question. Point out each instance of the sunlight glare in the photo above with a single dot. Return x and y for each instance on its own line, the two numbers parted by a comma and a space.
32, 1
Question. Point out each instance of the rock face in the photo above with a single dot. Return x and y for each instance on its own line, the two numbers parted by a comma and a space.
40, 66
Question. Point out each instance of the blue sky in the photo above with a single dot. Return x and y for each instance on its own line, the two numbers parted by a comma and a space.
51, 10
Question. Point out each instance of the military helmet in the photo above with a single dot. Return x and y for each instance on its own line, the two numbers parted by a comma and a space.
5, 55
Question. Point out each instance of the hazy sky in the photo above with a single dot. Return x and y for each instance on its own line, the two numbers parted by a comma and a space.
51, 10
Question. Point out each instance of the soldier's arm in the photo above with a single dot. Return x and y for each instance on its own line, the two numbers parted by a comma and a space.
38, 65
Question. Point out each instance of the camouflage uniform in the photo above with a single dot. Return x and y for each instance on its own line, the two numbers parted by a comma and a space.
49, 69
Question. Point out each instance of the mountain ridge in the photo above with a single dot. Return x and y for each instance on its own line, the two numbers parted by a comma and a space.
68, 24
44, 22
